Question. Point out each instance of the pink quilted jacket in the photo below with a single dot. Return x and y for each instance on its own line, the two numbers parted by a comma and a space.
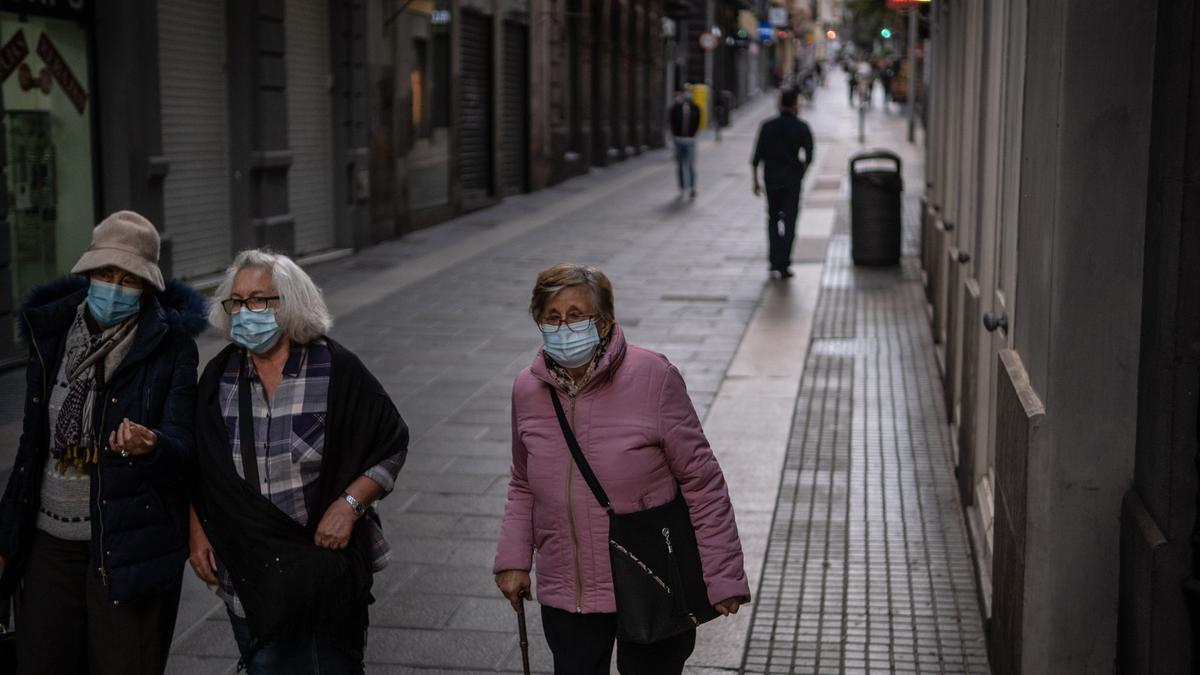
640, 434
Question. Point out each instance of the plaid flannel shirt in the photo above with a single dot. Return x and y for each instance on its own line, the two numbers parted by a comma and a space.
289, 431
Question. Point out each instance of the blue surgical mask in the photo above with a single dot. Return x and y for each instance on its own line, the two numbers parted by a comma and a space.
256, 331
111, 304
571, 346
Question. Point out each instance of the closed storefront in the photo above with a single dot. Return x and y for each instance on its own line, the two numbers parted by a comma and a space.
192, 55
475, 114
310, 127
515, 123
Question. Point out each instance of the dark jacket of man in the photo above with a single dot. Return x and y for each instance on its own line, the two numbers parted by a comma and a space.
676, 115
287, 583
138, 504
779, 143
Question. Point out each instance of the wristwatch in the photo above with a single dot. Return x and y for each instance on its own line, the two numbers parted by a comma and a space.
359, 507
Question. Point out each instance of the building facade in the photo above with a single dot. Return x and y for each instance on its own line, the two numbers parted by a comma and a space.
1062, 259
310, 126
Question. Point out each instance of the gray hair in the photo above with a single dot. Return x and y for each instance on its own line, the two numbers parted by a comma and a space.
565, 275
302, 314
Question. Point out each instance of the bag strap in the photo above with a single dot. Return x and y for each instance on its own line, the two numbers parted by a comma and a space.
248, 450
577, 453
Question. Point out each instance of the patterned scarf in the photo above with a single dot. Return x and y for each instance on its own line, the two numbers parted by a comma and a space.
87, 358
564, 378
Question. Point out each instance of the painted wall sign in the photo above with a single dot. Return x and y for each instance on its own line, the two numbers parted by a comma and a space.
12, 54
80, 10
62, 72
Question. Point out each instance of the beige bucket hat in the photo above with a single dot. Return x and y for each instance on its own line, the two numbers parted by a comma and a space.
125, 240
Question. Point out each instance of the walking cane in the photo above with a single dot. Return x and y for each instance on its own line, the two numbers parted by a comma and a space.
524, 636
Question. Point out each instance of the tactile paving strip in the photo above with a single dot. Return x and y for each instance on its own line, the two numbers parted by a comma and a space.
868, 568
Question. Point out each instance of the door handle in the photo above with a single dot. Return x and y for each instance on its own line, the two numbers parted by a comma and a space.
964, 257
991, 322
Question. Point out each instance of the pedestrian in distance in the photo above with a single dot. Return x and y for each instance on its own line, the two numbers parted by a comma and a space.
90, 524
685, 124
296, 440
778, 147
632, 420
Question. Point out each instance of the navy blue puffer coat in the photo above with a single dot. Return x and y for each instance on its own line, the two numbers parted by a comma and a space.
138, 504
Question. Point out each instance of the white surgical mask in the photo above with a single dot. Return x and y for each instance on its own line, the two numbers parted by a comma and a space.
571, 345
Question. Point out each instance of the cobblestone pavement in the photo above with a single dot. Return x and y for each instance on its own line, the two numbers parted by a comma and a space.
867, 566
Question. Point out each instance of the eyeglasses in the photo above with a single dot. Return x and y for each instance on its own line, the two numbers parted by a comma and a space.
255, 304
572, 322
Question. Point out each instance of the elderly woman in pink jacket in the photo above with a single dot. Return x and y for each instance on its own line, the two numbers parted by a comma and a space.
630, 411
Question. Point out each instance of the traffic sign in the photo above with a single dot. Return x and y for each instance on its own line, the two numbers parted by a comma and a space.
708, 42
765, 32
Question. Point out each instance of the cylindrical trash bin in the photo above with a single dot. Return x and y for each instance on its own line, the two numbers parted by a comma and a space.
875, 210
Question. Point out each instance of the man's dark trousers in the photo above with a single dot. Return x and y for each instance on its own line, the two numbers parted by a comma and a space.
783, 207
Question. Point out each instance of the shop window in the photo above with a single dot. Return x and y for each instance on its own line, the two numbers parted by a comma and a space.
46, 93
425, 57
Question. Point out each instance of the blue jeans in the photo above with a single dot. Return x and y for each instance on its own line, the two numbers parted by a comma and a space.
685, 158
317, 653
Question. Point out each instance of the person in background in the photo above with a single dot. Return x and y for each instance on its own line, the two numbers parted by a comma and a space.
91, 522
296, 440
780, 141
630, 410
685, 124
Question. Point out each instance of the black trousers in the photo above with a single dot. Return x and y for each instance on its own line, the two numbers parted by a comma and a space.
67, 624
783, 207
582, 644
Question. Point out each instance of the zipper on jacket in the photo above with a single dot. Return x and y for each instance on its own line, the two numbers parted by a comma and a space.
38, 350
99, 501
571, 520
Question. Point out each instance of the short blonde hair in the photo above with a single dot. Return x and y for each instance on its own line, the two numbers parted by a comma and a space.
302, 314
565, 275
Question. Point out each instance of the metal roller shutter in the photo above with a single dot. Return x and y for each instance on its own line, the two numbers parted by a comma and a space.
191, 43
310, 126
475, 114
515, 123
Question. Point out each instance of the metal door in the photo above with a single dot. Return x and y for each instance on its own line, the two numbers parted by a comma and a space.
515, 121
195, 134
475, 113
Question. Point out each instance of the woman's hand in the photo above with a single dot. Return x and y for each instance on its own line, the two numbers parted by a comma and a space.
132, 438
201, 554
514, 584
727, 607
336, 525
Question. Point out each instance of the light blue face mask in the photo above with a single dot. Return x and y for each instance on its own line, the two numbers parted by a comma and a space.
256, 331
111, 304
571, 346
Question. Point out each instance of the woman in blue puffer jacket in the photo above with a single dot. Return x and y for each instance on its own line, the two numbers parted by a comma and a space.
93, 524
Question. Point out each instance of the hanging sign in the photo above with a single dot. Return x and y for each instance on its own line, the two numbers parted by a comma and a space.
708, 42
12, 54
778, 16
62, 72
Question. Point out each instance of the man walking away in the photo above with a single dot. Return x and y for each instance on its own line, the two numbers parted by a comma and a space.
685, 122
778, 148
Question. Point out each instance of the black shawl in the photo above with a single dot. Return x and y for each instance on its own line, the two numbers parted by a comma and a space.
286, 583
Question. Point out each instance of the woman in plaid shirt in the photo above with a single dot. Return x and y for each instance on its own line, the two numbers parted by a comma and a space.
287, 535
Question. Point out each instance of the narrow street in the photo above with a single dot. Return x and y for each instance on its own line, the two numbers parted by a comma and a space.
860, 564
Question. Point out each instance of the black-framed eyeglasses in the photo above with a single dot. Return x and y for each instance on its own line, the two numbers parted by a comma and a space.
576, 323
255, 304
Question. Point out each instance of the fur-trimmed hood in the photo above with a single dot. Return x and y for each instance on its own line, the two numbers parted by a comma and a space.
52, 306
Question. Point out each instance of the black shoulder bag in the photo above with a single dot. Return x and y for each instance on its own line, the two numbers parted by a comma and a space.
657, 578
